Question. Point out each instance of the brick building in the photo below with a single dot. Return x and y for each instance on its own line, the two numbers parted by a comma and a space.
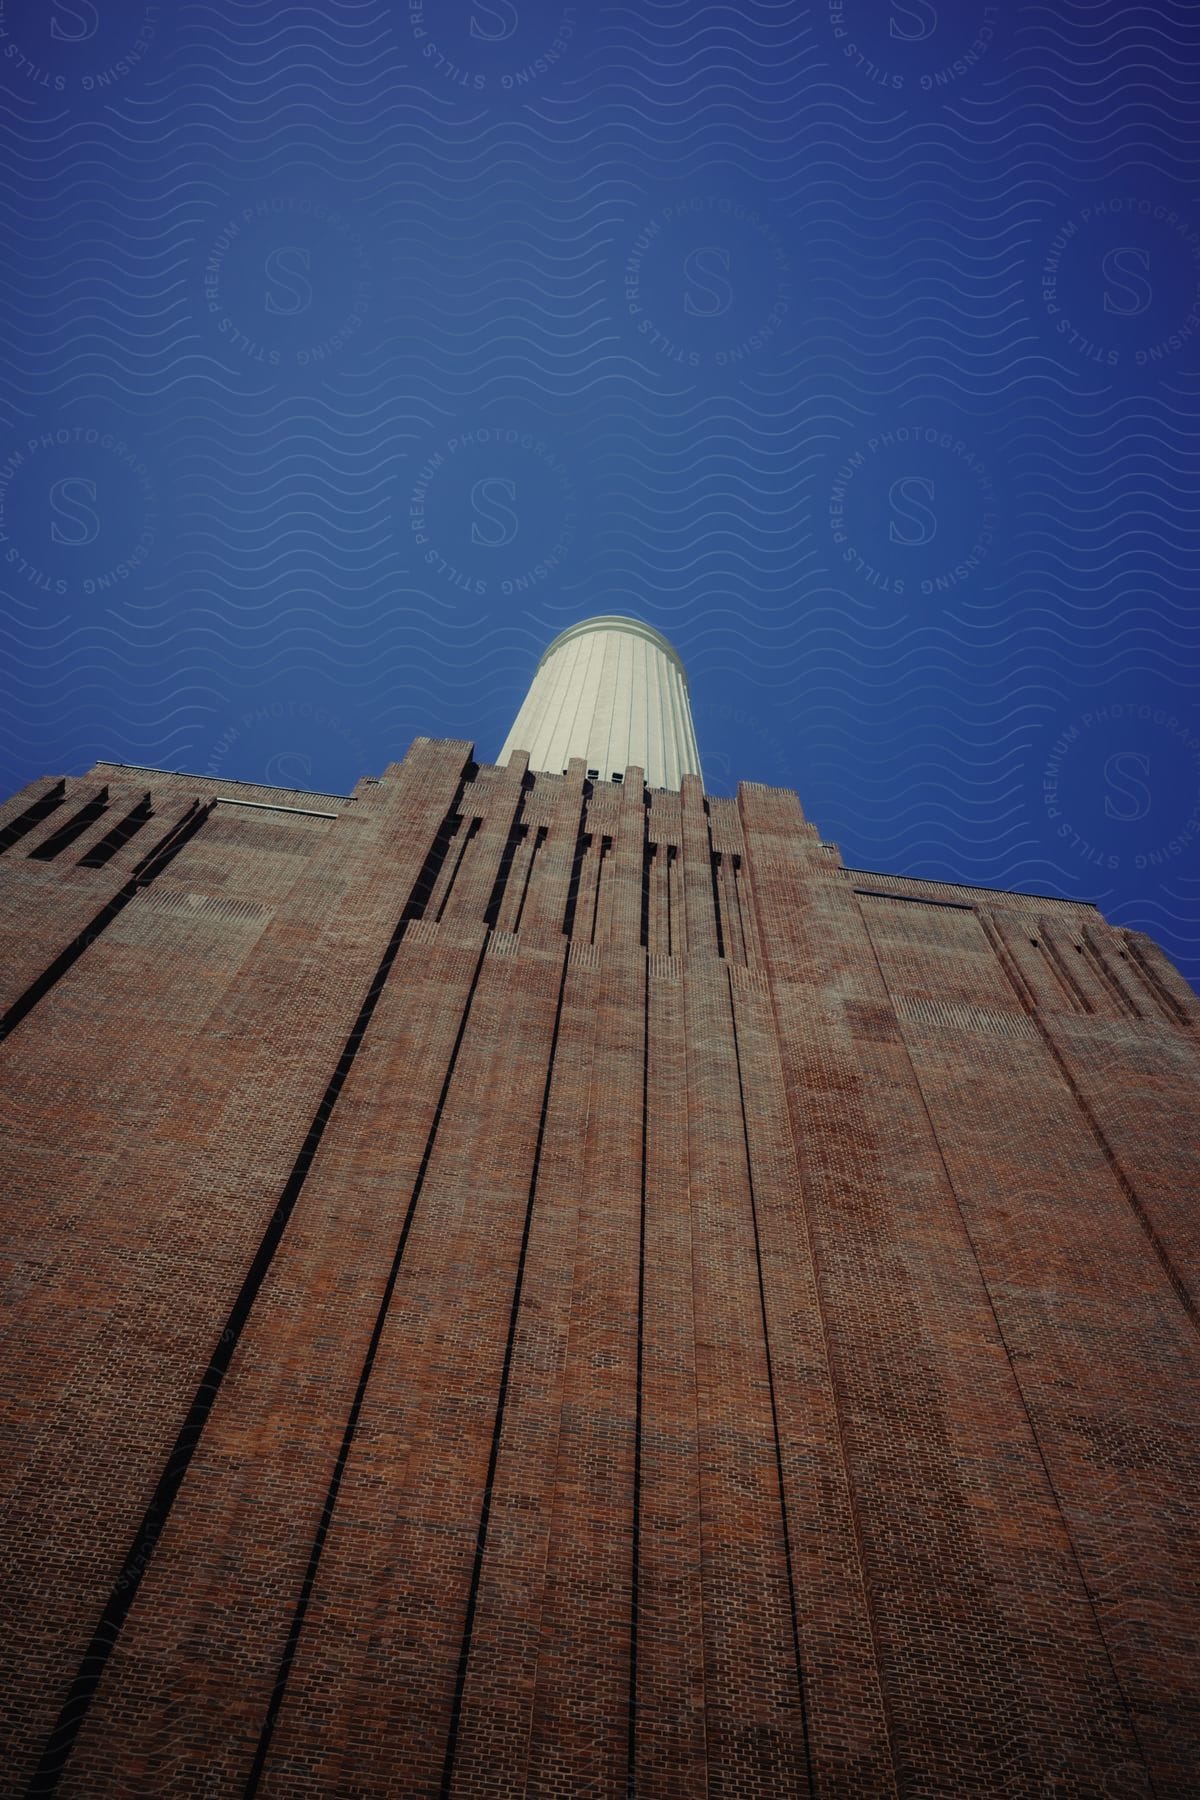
527, 1283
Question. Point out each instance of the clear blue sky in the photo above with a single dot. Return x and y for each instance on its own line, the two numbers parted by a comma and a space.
356, 350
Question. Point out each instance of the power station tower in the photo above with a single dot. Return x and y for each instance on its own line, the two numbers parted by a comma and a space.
613, 692
530, 1280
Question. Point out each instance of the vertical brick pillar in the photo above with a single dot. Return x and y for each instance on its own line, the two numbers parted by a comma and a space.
948, 1486
395, 1583
580, 1723
491, 1752
849, 1746
1103, 1347
754, 1708
671, 1750
142, 1288
190, 1681
699, 917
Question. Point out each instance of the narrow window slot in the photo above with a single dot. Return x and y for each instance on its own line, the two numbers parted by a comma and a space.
714, 864
671, 851
605, 847
649, 852
516, 837
583, 844
472, 833
427, 881
540, 837
745, 913
731, 909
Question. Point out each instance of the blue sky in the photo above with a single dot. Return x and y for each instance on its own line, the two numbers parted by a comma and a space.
356, 350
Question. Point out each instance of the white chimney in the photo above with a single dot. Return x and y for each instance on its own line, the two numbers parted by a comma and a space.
612, 691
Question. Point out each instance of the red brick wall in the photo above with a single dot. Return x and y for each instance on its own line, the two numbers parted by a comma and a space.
745, 1345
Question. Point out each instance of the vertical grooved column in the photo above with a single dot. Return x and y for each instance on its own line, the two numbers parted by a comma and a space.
580, 1723
493, 1744
671, 1757
1007, 1675
698, 924
850, 1749
227, 1571
546, 906
752, 1699
167, 1223
395, 1579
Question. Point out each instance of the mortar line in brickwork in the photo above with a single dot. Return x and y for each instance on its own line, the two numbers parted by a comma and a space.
766, 1336
485, 1511
279, 1690
1178, 1285
74, 1711
1012, 1367
635, 1592
150, 867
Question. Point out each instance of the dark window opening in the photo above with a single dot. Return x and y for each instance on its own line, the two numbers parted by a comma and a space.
714, 863
582, 846
606, 844
649, 852
516, 837
472, 833
432, 867
671, 848
543, 831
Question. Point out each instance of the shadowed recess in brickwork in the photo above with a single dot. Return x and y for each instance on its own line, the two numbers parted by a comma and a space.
32, 815
304, 1599
705, 1320
146, 872
770, 1366
116, 839
58, 1746
72, 828
481, 1538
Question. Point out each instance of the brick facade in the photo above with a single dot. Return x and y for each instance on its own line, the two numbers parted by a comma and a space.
525, 1287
